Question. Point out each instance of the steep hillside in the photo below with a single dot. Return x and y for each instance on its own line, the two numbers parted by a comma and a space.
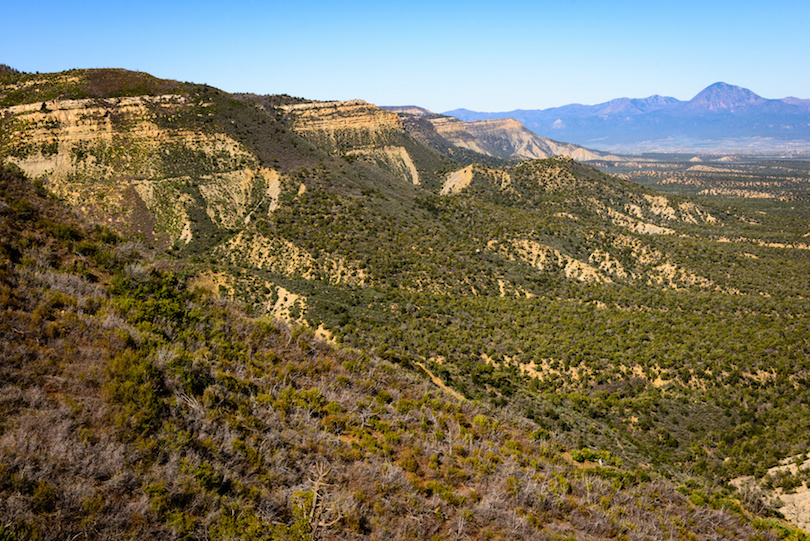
160, 165
507, 139
504, 139
134, 406
605, 317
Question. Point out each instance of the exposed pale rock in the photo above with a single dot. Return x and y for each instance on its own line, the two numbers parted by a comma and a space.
545, 258
283, 307
99, 154
659, 205
395, 158
508, 138
457, 181
283, 257
635, 225
340, 115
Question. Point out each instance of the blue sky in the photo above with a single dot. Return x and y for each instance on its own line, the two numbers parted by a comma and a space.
440, 55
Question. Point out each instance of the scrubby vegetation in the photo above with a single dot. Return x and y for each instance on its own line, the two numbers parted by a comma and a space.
612, 357
135, 407
22, 88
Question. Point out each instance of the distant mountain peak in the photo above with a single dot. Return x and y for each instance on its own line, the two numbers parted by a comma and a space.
656, 101
723, 96
635, 105
722, 116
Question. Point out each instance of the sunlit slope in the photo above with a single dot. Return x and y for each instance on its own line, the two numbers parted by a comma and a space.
611, 315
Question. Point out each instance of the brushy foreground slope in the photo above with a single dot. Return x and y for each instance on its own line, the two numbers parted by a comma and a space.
133, 407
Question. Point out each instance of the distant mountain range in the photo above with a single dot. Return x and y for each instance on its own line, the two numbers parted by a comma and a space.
721, 118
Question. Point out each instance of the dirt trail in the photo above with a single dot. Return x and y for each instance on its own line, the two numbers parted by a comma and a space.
440, 383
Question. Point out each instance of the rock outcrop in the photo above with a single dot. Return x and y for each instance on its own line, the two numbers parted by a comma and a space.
342, 122
507, 139
120, 163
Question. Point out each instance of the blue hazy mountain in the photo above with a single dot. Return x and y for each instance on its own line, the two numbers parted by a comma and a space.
722, 116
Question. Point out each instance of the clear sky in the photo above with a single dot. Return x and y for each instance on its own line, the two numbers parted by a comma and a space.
485, 56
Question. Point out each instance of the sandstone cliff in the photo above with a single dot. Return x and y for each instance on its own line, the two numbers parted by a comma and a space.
342, 123
124, 162
359, 130
507, 139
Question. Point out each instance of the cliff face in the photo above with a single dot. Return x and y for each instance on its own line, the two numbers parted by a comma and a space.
507, 139
360, 130
342, 123
124, 162
160, 166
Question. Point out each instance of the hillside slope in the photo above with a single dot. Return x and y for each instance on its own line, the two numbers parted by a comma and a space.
504, 139
605, 317
134, 406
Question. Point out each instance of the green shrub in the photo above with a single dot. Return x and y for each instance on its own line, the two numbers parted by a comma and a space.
136, 388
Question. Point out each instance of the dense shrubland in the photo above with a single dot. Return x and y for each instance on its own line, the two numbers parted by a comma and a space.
617, 401
135, 407
733, 354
